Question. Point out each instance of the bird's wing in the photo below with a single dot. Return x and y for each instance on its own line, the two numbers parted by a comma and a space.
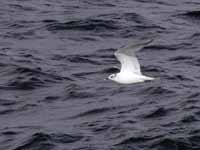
128, 63
127, 57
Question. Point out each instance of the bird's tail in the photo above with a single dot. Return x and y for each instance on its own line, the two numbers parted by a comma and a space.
148, 78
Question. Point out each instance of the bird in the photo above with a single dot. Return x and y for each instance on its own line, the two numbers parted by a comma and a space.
130, 71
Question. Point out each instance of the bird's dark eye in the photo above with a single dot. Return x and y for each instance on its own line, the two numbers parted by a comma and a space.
112, 76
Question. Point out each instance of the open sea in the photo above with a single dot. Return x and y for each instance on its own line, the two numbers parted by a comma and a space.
56, 54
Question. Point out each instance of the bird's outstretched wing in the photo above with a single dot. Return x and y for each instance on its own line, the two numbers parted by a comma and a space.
127, 57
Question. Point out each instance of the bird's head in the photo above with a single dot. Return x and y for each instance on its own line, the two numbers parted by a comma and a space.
112, 76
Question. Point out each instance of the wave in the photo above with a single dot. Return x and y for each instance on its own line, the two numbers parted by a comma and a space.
45, 141
24, 78
84, 25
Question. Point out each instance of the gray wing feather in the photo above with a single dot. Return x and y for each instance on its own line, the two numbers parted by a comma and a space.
127, 57
136, 46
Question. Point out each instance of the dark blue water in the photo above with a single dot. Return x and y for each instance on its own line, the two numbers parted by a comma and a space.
55, 55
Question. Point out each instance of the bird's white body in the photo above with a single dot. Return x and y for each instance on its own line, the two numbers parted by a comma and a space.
129, 78
130, 67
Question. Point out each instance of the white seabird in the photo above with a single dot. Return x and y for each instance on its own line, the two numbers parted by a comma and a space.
130, 67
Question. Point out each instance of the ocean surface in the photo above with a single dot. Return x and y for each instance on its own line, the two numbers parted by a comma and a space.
56, 54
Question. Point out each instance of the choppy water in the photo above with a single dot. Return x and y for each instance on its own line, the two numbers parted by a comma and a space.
55, 55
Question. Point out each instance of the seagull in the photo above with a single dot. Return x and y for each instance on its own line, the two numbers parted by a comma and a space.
130, 68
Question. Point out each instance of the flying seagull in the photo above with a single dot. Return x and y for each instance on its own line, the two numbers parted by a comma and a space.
130, 68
